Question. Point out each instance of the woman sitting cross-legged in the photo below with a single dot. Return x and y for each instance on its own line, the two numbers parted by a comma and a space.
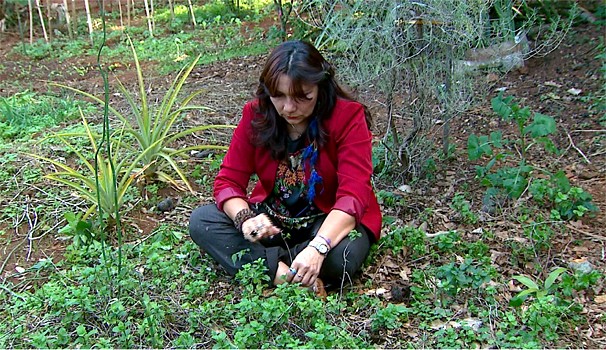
309, 144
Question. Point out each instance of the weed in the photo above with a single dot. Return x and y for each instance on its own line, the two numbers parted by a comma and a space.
354, 234
578, 281
80, 230
389, 317
533, 288
468, 274
404, 237
463, 336
390, 199
26, 113
567, 202
463, 208
513, 180
253, 276
447, 242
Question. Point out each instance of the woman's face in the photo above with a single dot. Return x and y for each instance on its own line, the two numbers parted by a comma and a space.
294, 110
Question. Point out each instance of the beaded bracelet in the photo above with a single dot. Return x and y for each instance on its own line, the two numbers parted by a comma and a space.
242, 216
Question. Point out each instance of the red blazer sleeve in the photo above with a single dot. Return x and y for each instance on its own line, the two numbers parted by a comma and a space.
239, 162
353, 141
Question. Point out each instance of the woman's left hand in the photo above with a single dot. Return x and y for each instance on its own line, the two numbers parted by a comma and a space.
307, 264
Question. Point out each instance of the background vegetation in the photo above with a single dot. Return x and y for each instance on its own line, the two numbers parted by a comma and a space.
108, 171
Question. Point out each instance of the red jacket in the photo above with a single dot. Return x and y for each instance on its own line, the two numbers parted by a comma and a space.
344, 162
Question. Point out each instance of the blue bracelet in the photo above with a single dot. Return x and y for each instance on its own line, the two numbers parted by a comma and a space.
327, 240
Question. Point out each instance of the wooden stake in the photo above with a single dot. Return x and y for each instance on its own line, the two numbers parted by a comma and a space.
128, 6
172, 11
48, 17
120, 9
68, 20
149, 21
74, 17
89, 21
18, 12
30, 9
152, 11
191, 10
41, 20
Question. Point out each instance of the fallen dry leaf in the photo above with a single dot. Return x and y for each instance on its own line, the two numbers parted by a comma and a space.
600, 299
574, 92
404, 274
377, 292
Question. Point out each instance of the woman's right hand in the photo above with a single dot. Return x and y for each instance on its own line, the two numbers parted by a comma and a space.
259, 227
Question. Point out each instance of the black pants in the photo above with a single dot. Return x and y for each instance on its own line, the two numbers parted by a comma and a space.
215, 233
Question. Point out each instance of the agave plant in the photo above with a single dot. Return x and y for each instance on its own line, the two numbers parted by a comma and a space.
101, 183
152, 126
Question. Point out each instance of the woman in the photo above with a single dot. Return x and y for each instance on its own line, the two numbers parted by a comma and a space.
309, 144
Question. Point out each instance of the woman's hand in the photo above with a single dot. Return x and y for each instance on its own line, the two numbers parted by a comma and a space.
259, 227
307, 264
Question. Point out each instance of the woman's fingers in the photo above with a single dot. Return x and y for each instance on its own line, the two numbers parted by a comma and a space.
305, 278
258, 227
307, 264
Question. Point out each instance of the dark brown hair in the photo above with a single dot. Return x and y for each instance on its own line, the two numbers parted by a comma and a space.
303, 64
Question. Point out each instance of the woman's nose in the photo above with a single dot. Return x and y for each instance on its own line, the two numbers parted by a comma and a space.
290, 105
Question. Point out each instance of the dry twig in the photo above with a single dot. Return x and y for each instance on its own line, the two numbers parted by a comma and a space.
592, 235
577, 149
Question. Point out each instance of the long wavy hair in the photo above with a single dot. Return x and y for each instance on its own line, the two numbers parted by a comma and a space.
303, 64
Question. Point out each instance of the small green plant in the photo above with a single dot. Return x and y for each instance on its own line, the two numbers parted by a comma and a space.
547, 319
389, 317
401, 238
447, 242
512, 178
580, 280
540, 235
455, 277
99, 177
354, 234
253, 276
547, 313
390, 199
463, 208
80, 230
536, 289
567, 202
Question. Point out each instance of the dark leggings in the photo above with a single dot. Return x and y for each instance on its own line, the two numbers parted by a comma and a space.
215, 233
